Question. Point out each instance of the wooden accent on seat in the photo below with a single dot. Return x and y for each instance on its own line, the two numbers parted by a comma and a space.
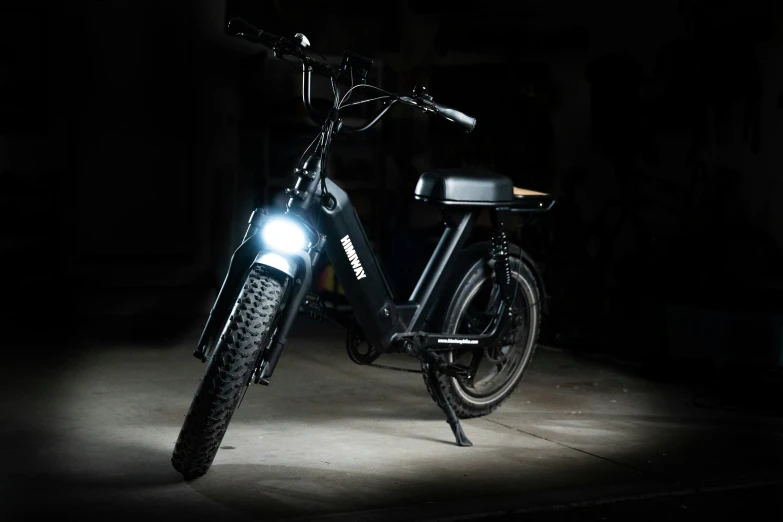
525, 192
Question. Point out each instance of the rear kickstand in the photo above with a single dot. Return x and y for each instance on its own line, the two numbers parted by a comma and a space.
451, 417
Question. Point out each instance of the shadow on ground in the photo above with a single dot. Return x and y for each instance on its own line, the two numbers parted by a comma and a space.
90, 431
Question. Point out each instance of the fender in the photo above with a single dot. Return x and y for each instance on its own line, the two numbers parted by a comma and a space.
481, 252
297, 266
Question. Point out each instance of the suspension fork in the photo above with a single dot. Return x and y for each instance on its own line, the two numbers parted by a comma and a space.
239, 266
302, 282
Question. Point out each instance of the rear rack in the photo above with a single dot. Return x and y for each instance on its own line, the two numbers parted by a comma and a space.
529, 201
524, 201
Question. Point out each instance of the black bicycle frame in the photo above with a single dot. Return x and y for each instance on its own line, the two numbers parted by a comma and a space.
386, 323
383, 319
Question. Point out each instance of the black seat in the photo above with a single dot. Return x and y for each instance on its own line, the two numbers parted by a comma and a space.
464, 187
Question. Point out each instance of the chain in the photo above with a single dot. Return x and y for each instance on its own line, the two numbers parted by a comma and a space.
383, 366
354, 338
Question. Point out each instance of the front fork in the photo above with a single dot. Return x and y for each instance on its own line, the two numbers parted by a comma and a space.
243, 259
302, 281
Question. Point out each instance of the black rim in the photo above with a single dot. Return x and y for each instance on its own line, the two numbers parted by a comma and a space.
494, 366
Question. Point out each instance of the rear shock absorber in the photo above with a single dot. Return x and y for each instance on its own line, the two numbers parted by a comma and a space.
500, 255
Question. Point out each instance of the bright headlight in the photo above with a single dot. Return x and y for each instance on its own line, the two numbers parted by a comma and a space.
284, 234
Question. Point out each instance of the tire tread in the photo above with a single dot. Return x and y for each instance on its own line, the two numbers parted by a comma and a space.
466, 410
222, 386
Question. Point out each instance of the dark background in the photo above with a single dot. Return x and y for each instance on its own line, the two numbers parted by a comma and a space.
136, 138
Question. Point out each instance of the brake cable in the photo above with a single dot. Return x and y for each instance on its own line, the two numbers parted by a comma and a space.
325, 140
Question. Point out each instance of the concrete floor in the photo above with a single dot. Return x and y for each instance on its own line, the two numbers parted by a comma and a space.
92, 431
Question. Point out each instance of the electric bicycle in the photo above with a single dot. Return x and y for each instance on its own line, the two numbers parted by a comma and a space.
473, 317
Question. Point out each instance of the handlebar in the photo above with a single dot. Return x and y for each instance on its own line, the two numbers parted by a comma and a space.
449, 113
240, 27
282, 46
456, 116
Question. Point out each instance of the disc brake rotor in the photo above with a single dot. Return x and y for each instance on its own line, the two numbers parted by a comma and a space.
498, 353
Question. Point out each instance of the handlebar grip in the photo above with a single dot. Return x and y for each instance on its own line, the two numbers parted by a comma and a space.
241, 27
456, 116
